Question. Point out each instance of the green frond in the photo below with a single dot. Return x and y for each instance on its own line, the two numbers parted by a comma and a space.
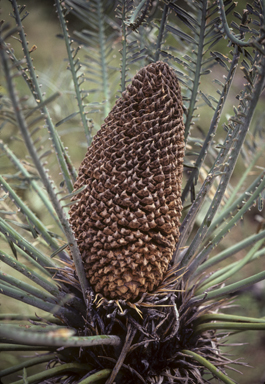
58, 371
229, 289
57, 337
16, 238
46, 182
28, 363
36, 224
209, 366
229, 209
36, 91
30, 273
240, 130
97, 50
124, 7
229, 252
233, 269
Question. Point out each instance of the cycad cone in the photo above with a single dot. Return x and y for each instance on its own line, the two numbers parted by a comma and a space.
127, 220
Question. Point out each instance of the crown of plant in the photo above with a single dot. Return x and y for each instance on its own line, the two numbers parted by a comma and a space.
126, 221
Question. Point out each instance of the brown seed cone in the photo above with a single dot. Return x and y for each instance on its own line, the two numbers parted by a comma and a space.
127, 220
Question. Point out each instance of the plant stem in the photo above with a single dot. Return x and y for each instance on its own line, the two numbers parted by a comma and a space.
228, 33
39, 99
197, 73
228, 227
128, 341
236, 205
27, 298
73, 71
124, 47
212, 130
100, 375
230, 251
161, 32
33, 183
238, 141
35, 253
45, 296
37, 224
221, 292
55, 339
104, 70
232, 270
17, 347
53, 372
230, 326
223, 317
209, 366
26, 364
67, 229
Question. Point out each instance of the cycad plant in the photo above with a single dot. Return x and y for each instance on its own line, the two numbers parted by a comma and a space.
123, 271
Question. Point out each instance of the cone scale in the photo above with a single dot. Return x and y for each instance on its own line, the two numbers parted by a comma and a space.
126, 221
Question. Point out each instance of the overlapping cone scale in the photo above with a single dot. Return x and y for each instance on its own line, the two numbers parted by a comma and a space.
127, 220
